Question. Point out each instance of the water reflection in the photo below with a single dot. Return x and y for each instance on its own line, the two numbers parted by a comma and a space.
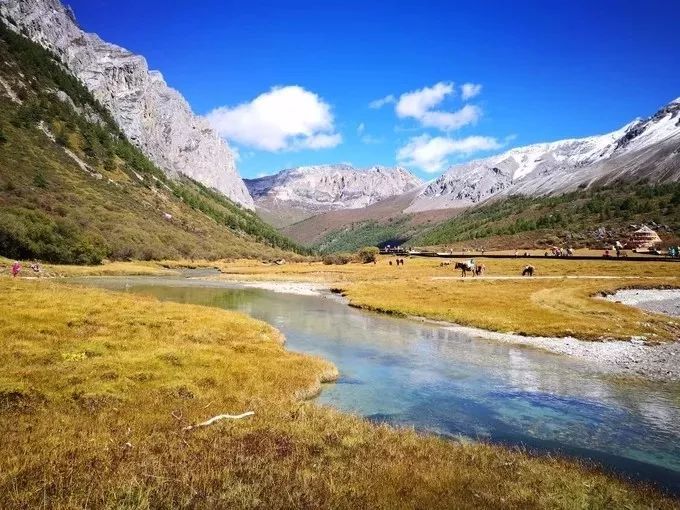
439, 380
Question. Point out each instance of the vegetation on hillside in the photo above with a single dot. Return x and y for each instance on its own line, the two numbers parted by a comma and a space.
96, 389
74, 190
367, 233
572, 218
587, 217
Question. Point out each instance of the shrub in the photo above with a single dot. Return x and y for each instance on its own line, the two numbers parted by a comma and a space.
337, 259
368, 254
39, 180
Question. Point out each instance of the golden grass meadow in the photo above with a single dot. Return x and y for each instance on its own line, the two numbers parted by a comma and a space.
558, 301
96, 388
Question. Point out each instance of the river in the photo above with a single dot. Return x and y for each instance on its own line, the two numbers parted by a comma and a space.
424, 375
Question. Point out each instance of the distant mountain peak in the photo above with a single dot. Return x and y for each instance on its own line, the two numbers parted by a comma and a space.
642, 149
320, 188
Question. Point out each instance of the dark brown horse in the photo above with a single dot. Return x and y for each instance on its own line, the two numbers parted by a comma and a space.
528, 271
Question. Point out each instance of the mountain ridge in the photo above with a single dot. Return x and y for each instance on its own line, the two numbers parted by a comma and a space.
154, 116
638, 150
634, 170
310, 190
73, 189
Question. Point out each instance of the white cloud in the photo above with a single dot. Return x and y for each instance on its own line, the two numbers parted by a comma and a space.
470, 90
431, 153
285, 118
415, 104
318, 141
446, 121
361, 128
419, 105
379, 103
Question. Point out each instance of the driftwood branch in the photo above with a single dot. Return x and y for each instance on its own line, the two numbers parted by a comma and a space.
218, 418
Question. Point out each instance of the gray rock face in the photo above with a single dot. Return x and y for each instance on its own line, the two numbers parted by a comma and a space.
152, 115
329, 187
644, 149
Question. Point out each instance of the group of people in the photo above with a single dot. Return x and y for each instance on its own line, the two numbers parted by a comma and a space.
556, 251
617, 248
16, 268
400, 262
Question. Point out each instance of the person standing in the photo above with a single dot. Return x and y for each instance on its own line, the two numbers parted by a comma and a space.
16, 269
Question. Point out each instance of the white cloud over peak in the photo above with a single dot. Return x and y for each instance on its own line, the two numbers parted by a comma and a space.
470, 90
318, 141
431, 153
446, 121
379, 103
420, 104
285, 118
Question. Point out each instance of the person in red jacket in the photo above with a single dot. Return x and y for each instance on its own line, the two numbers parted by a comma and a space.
16, 268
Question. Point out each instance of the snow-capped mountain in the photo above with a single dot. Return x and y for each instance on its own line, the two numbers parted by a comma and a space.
152, 115
643, 149
321, 188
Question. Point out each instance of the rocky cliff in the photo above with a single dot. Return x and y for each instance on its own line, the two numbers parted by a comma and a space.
152, 115
321, 188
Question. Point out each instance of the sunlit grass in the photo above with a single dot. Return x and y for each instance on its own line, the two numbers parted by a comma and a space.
96, 386
563, 304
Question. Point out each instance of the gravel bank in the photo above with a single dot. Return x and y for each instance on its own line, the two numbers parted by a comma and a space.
666, 301
628, 358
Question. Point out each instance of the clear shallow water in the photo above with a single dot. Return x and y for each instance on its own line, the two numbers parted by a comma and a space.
422, 375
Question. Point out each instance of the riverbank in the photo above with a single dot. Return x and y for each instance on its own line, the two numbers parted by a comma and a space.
559, 311
635, 357
665, 301
559, 302
122, 376
550, 311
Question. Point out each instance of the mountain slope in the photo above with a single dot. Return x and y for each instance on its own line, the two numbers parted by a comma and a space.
578, 192
378, 224
73, 189
296, 193
593, 217
153, 116
642, 150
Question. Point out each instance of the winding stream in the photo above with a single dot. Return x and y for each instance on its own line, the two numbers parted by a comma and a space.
423, 375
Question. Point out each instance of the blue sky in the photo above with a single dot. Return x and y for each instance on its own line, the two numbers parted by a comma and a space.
290, 83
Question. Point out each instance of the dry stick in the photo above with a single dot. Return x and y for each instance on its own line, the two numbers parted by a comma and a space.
218, 418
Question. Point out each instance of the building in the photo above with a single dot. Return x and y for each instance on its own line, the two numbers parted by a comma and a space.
643, 237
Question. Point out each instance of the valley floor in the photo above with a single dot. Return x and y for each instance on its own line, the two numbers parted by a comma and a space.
557, 302
102, 382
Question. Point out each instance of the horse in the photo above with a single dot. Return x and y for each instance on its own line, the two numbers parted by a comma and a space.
479, 270
528, 270
464, 268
